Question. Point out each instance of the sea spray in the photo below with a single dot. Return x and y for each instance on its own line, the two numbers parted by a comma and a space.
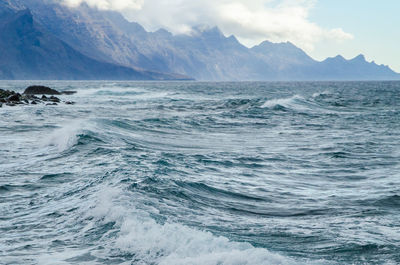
65, 136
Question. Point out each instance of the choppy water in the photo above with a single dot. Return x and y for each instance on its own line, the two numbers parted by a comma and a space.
203, 173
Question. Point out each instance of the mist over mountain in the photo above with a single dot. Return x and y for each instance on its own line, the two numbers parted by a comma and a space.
86, 43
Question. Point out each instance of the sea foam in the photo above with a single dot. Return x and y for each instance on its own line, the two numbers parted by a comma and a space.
64, 137
173, 243
284, 102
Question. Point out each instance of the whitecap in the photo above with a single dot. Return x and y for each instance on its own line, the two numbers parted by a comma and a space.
172, 243
285, 102
64, 137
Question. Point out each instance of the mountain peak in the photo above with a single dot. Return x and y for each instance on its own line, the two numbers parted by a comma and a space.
337, 58
268, 45
359, 58
264, 44
207, 31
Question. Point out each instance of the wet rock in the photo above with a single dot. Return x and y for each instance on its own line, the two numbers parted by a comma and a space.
54, 99
11, 98
5, 93
41, 90
15, 97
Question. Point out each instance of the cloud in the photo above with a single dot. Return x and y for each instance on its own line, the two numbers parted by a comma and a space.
251, 21
117, 5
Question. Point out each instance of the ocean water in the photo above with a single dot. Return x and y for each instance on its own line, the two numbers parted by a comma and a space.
202, 173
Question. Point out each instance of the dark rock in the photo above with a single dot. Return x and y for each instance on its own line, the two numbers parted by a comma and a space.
5, 93
15, 98
11, 98
43, 90
54, 99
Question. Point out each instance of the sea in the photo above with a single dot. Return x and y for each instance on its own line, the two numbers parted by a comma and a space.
212, 173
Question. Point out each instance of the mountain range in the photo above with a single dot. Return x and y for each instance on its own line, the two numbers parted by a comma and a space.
43, 39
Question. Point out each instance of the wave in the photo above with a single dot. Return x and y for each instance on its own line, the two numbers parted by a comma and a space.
57, 177
323, 102
65, 137
209, 191
151, 242
323, 94
293, 102
392, 201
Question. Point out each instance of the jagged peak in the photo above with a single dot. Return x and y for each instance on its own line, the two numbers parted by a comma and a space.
233, 38
336, 58
268, 44
359, 57
263, 44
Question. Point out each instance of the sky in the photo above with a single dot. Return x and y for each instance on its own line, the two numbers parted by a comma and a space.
323, 28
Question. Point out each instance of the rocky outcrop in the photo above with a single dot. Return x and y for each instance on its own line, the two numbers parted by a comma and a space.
12, 98
41, 90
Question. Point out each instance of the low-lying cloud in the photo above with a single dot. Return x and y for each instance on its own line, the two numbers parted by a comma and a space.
251, 21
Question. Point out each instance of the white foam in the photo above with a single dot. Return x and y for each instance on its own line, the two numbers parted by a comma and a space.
173, 243
64, 137
285, 102
178, 244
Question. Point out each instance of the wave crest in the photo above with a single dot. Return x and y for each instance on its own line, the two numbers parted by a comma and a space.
64, 137
171, 243
283, 102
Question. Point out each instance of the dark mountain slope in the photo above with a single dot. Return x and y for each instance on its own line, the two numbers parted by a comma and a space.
28, 51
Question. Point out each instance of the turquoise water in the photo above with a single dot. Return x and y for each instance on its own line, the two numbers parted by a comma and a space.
202, 173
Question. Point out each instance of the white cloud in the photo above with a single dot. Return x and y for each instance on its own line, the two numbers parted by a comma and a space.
251, 21
118, 5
